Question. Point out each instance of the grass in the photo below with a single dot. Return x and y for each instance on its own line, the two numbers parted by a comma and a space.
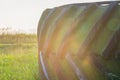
18, 59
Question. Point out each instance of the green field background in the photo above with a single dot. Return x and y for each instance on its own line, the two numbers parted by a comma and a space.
18, 57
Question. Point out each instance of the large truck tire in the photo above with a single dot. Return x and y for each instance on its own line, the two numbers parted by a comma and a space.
80, 42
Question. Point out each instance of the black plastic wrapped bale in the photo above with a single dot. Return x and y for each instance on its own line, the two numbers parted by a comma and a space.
80, 42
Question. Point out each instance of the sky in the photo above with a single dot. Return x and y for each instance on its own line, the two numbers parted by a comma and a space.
23, 15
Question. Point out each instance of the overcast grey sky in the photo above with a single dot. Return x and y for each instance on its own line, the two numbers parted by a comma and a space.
25, 14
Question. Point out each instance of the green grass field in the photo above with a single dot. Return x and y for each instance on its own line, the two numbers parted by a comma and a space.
18, 57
